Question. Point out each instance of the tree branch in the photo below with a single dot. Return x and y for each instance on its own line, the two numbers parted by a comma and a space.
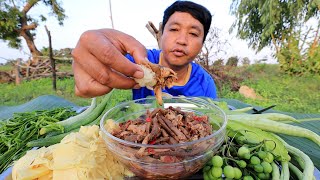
29, 5
31, 26
14, 5
275, 43
154, 31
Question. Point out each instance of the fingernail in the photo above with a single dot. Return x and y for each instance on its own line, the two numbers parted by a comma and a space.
138, 74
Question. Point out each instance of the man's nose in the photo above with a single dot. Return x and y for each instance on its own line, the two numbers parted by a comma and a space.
182, 39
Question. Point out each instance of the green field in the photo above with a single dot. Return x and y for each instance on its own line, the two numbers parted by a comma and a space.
290, 94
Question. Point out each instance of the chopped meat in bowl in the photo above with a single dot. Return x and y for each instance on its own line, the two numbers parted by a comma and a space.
164, 142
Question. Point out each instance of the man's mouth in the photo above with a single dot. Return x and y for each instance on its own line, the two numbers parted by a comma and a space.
178, 52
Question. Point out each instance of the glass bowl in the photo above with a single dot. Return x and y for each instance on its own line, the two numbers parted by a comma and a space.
190, 156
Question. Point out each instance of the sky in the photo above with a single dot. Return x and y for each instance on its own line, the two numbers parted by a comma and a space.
129, 17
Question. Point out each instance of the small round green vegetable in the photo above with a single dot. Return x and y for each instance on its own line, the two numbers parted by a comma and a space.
254, 160
262, 154
269, 157
258, 168
206, 168
248, 178
216, 172
237, 173
247, 156
210, 175
242, 151
228, 171
205, 176
241, 163
268, 175
217, 161
261, 176
240, 139
267, 168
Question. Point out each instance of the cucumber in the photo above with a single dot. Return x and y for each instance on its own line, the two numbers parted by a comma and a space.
48, 141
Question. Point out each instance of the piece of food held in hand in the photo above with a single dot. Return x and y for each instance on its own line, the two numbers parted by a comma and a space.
156, 77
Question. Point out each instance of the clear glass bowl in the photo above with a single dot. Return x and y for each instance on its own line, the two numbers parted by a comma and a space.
194, 154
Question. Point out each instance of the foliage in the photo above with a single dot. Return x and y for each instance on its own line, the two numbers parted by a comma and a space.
232, 61
11, 94
65, 52
295, 59
290, 94
15, 22
219, 62
262, 22
283, 24
245, 61
7, 67
212, 46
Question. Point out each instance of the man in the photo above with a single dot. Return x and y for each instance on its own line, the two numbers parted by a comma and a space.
101, 56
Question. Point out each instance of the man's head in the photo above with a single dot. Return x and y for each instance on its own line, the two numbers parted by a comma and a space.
185, 27
197, 11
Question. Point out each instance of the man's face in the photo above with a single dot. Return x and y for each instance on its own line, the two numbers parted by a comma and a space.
181, 40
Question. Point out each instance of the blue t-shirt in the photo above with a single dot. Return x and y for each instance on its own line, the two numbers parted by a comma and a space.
199, 84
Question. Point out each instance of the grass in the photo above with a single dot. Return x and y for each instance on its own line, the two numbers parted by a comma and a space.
290, 94
6, 68
12, 94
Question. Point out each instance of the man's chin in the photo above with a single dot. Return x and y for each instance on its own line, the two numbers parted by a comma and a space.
176, 65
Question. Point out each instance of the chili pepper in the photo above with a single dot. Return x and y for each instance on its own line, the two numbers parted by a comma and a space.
198, 118
148, 119
153, 142
150, 151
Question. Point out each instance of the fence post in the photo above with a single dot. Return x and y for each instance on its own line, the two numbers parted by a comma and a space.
17, 72
53, 63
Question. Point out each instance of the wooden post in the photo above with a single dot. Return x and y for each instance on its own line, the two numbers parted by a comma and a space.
17, 72
52, 60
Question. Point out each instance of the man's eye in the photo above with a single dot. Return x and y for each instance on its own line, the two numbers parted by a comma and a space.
173, 29
194, 34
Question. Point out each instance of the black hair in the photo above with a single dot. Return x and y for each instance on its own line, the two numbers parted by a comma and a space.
197, 11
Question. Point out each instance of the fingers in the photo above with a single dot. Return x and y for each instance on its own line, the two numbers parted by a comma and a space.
127, 44
104, 74
100, 65
87, 86
109, 47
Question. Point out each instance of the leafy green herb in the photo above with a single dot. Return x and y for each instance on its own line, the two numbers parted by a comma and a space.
24, 127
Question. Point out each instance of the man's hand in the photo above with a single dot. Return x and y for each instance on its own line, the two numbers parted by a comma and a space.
99, 64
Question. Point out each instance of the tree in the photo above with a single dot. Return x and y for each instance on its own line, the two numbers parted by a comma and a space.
212, 46
232, 61
283, 24
266, 22
16, 23
218, 62
245, 61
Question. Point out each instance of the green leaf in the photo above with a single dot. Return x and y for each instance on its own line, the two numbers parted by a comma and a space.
44, 102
